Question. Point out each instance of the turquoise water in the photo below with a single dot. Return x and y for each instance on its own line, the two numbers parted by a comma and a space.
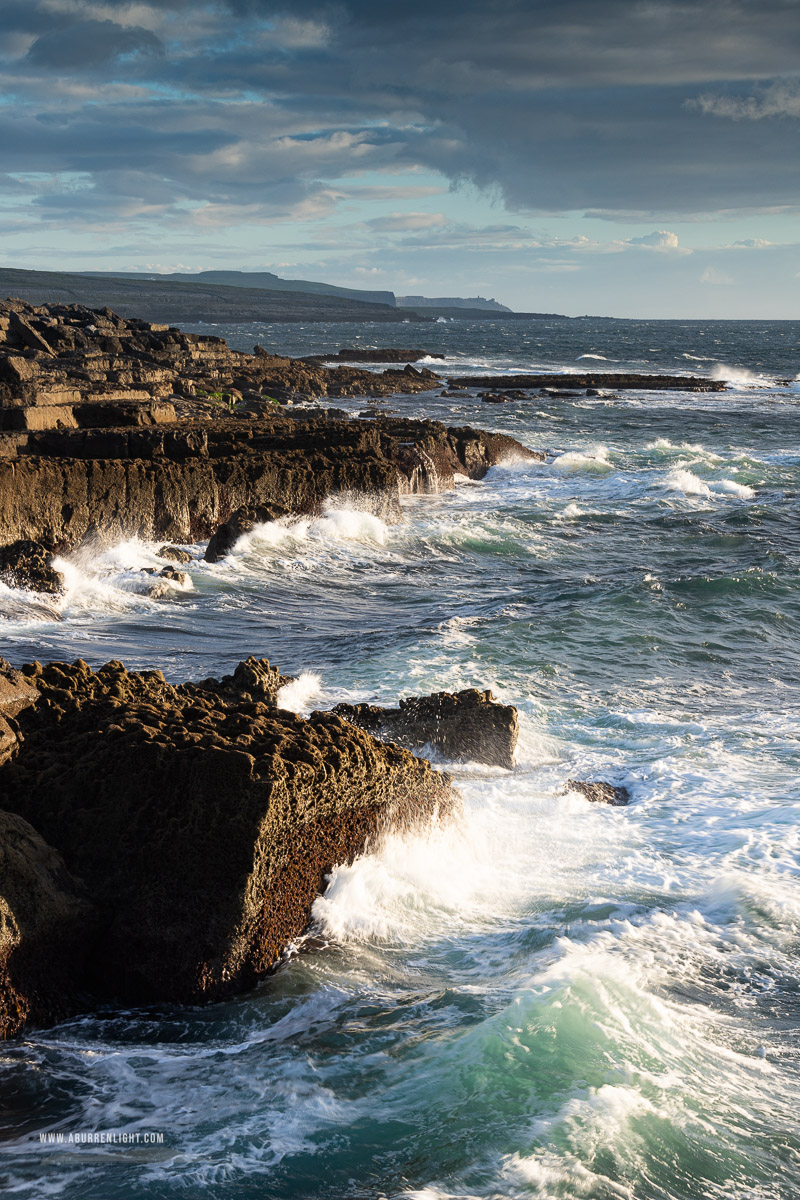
549, 998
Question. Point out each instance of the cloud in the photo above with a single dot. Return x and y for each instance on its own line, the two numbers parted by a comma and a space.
89, 45
780, 99
259, 111
660, 239
399, 222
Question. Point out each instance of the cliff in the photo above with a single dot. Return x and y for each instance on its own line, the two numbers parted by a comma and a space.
114, 427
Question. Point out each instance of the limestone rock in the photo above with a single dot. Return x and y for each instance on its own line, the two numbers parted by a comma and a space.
599, 791
16, 690
203, 822
469, 725
28, 564
254, 679
16, 694
131, 428
175, 553
46, 928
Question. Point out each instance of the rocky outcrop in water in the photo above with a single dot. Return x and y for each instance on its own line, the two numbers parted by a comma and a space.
382, 354
28, 564
469, 725
202, 819
598, 791
610, 379
243, 521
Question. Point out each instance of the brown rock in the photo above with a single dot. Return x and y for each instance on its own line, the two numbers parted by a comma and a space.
166, 447
28, 564
203, 820
16, 690
46, 929
469, 725
599, 791
175, 554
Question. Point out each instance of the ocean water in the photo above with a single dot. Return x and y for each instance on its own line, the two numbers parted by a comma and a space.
548, 998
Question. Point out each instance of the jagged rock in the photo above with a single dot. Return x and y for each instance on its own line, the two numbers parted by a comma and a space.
139, 429
46, 929
254, 679
468, 725
179, 577
599, 791
16, 690
203, 822
175, 554
16, 694
28, 564
503, 397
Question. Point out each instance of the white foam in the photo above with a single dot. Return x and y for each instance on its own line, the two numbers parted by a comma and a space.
731, 487
741, 377
298, 695
350, 525
666, 448
680, 479
594, 458
518, 839
334, 525
456, 631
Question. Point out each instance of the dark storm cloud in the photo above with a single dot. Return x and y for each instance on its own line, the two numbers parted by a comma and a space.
558, 104
90, 44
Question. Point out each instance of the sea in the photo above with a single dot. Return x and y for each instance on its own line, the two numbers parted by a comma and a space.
547, 997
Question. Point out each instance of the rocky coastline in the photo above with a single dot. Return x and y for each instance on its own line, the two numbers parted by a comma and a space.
165, 842
112, 428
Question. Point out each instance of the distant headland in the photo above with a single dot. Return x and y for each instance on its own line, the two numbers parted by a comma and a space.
240, 296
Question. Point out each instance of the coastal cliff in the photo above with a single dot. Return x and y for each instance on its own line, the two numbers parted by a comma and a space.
113, 427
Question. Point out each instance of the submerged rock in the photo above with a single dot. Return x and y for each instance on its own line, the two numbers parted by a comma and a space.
202, 819
46, 929
180, 578
469, 725
599, 791
28, 564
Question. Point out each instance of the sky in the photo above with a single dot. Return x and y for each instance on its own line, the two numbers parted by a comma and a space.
609, 157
